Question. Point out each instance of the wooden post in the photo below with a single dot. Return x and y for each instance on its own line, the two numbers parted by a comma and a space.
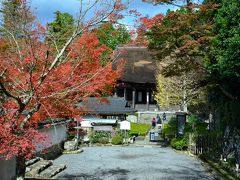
148, 100
78, 131
139, 116
125, 93
133, 98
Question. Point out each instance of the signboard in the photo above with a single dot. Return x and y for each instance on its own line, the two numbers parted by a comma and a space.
86, 124
103, 128
125, 125
181, 121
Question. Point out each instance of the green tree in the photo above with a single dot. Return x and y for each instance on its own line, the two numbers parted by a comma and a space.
184, 36
179, 91
180, 42
61, 28
168, 92
226, 43
112, 36
224, 64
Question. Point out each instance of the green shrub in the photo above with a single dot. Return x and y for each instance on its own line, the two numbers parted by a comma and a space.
170, 129
99, 137
231, 161
103, 140
179, 143
138, 129
117, 139
195, 127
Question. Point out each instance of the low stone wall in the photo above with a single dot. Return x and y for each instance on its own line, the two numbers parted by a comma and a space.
52, 152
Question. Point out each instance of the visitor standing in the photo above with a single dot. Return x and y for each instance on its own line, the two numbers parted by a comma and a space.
159, 121
153, 123
164, 117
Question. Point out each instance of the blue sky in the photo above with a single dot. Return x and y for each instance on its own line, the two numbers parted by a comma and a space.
44, 9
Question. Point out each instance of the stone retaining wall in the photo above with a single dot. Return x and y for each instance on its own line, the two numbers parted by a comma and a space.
8, 169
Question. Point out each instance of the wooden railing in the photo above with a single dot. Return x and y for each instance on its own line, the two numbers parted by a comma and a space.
204, 143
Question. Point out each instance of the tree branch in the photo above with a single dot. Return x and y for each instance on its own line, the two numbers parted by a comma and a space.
30, 114
226, 93
5, 91
15, 41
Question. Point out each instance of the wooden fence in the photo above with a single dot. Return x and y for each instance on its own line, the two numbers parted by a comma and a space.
204, 144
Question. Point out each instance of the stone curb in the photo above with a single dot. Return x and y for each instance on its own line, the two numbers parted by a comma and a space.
73, 152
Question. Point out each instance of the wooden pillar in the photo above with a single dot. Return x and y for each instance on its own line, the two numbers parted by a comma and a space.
133, 98
115, 94
147, 100
139, 117
125, 93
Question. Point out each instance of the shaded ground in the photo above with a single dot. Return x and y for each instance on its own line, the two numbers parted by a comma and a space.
131, 163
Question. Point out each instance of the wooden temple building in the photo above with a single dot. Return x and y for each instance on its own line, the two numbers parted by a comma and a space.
105, 108
137, 83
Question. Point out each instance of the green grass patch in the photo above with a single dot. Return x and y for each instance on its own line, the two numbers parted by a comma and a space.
139, 129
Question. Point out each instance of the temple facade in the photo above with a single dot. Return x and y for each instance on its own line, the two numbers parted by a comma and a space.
137, 84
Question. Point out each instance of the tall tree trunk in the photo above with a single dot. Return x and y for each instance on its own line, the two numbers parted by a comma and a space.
21, 167
185, 108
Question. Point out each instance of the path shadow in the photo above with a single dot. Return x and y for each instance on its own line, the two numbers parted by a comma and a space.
98, 175
183, 173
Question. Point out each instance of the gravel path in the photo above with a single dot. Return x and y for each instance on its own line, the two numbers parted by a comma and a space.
131, 163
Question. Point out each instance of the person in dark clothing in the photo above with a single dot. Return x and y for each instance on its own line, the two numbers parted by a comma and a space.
164, 117
159, 121
153, 122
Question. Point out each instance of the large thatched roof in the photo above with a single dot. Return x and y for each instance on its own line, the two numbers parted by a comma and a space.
139, 65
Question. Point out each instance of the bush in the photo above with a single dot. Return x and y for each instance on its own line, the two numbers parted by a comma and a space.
103, 140
179, 143
99, 137
117, 139
170, 129
195, 127
139, 129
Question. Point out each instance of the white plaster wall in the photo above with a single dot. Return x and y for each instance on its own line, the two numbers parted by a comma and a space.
56, 134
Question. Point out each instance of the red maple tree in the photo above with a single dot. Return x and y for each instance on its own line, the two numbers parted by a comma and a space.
145, 24
39, 80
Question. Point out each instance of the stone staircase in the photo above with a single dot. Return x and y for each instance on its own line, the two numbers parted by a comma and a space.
146, 140
143, 107
39, 168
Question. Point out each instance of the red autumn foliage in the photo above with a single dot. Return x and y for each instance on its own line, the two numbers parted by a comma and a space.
148, 23
32, 90
145, 25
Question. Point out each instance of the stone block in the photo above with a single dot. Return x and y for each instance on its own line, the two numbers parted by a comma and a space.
32, 161
70, 145
52, 170
37, 167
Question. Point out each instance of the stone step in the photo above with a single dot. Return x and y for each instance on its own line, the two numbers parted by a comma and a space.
52, 170
31, 161
37, 167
